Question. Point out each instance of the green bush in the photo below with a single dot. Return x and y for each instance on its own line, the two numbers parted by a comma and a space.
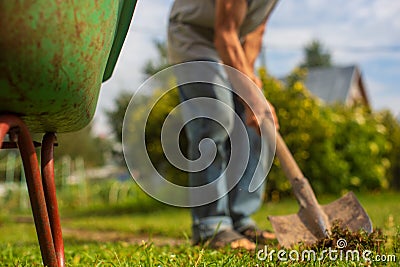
338, 148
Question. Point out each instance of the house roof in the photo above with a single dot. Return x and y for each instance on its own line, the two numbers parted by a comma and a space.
331, 84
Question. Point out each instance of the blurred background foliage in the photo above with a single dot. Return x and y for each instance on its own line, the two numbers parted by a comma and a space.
338, 148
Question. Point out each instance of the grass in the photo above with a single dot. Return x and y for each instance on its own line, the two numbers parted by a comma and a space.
18, 242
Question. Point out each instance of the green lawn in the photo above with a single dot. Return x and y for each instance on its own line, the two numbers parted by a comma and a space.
112, 239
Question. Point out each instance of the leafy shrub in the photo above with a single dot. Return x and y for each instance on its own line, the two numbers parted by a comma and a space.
338, 148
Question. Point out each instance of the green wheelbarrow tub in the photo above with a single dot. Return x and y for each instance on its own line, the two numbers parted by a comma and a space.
54, 57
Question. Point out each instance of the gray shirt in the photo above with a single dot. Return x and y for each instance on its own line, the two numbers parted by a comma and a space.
191, 27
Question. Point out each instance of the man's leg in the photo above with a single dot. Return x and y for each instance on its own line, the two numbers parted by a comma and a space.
213, 217
242, 202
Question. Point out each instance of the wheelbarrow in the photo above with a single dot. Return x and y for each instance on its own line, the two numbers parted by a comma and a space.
54, 57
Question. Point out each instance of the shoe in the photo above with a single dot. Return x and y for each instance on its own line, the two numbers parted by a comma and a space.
258, 236
229, 238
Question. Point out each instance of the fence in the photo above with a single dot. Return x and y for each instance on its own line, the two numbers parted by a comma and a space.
76, 186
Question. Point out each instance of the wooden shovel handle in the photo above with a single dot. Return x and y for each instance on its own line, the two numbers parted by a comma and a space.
310, 211
289, 165
300, 185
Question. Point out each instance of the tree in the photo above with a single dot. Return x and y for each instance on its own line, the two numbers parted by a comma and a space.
116, 115
155, 65
315, 55
136, 117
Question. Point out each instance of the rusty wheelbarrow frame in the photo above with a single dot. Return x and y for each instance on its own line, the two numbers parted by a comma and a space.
41, 186
58, 93
313, 221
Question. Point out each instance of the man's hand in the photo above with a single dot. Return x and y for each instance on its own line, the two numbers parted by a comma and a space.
258, 106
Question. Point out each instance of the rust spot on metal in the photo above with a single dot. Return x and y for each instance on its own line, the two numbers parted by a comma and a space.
78, 25
58, 11
88, 116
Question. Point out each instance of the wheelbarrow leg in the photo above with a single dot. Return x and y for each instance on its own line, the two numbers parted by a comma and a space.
49, 187
35, 186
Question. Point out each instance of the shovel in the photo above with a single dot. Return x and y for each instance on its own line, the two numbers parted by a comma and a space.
313, 221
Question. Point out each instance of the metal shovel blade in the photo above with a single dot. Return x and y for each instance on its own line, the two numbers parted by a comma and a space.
294, 228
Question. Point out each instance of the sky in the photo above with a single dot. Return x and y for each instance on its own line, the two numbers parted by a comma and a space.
361, 32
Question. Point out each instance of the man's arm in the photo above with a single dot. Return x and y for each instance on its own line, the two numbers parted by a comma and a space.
253, 43
252, 47
228, 20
